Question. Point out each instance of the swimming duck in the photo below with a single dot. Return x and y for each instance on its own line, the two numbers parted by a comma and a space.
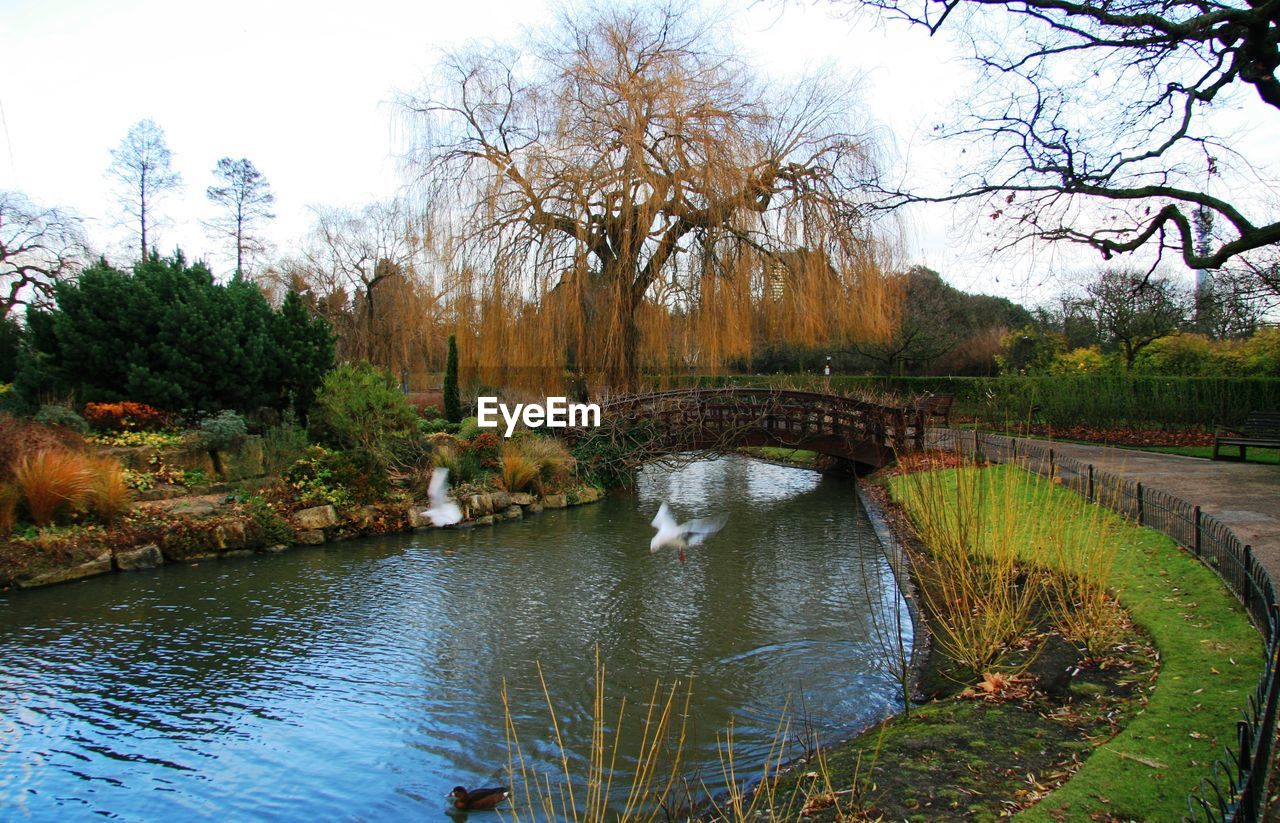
478, 799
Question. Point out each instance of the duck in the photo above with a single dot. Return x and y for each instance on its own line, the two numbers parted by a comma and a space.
478, 799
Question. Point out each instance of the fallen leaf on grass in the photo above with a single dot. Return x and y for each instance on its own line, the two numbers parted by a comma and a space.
1155, 764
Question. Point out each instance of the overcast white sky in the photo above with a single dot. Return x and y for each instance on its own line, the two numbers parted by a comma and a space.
305, 91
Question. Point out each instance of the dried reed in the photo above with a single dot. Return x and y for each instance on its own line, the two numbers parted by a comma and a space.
657, 788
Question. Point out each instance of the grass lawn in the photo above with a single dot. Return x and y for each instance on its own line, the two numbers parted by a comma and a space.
797, 456
1210, 658
1253, 455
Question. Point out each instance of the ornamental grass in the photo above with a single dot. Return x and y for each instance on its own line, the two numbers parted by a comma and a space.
109, 493
543, 464
52, 481
979, 593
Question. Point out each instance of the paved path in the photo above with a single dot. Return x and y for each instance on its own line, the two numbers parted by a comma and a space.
1244, 496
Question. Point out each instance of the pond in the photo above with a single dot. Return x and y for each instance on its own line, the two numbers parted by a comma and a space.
363, 680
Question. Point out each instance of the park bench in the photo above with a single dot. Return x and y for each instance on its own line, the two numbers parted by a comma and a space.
1261, 429
930, 406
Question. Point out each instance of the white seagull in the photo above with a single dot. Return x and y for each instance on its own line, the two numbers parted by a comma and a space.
442, 511
682, 535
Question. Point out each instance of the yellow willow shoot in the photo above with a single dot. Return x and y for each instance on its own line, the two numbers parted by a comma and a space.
587, 797
973, 582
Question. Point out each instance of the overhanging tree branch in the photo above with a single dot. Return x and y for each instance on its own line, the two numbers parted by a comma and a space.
1099, 124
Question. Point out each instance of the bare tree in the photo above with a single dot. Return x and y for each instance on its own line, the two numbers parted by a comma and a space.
633, 171
928, 328
142, 166
353, 253
245, 197
1132, 309
38, 248
1097, 117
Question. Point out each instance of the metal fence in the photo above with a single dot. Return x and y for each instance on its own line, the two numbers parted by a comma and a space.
1235, 790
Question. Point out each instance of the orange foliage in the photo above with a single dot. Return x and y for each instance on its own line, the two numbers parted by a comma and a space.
19, 437
9, 497
125, 416
109, 492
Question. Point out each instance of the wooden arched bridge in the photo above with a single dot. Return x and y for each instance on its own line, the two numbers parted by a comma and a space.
846, 430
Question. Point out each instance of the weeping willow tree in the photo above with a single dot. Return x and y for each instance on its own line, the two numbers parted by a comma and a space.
629, 195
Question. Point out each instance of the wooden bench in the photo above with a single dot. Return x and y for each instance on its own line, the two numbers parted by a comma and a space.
1261, 430
929, 406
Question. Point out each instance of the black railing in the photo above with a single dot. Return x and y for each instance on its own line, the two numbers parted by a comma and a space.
1236, 788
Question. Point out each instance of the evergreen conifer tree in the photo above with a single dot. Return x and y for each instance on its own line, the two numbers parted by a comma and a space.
452, 404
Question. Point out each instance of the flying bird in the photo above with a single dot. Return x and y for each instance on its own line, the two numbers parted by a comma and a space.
682, 535
442, 511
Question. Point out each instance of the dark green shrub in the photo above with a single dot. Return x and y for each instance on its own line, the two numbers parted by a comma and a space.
436, 426
10, 346
306, 351
56, 414
283, 445
607, 460
469, 428
360, 407
273, 528
315, 482
168, 335
463, 463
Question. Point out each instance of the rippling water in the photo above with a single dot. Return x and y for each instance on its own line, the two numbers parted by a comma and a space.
363, 680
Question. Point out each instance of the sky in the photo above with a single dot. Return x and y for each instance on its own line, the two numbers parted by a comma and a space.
307, 90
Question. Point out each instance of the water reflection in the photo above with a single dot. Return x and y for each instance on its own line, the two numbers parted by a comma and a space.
363, 680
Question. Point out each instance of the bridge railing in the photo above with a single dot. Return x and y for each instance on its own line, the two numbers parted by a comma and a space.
780, 412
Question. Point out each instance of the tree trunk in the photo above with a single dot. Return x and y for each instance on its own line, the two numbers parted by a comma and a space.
239, 238
628, 366
142, 213
622, 371
368, 321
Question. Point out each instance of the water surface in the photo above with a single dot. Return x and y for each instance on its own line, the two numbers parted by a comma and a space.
362, 680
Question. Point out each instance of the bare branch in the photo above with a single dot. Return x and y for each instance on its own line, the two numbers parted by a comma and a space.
1097, 122
39, 248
